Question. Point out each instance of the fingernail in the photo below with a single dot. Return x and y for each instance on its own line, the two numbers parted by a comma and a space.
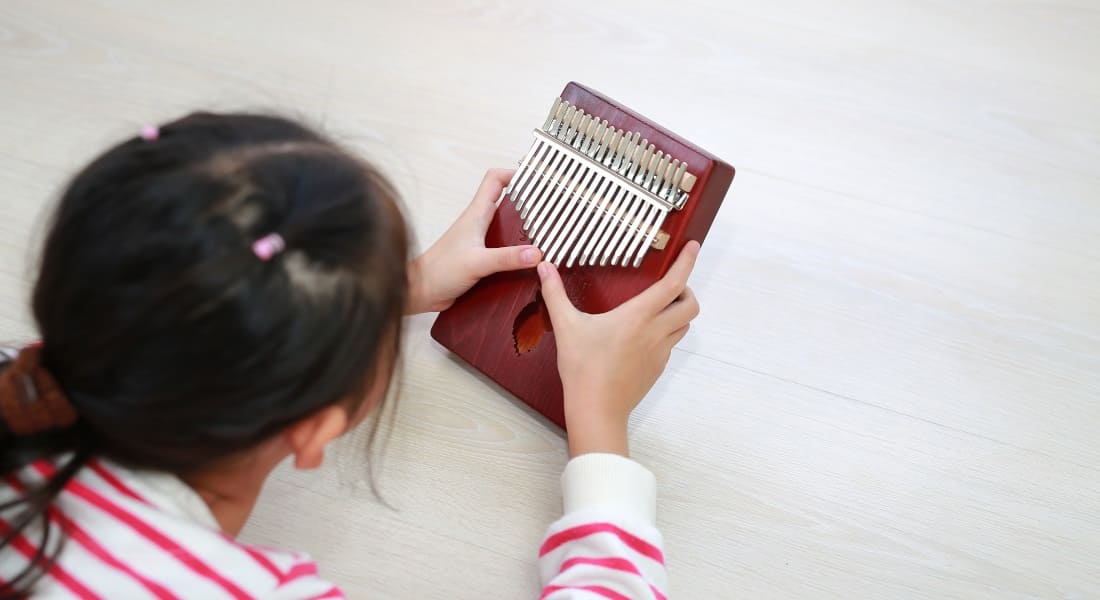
692, 246
544, 269
530, 256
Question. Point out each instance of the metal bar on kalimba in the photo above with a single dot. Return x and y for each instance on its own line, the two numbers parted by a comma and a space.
603, 226
574, 219
536, 170
543, 221
550, 118
564, 210
606, 228
630, 232
650, 179
560, 115
518, 193
604, 152
628, 215
542, 181
653, 229
555, 196
640, 234
523, 164
598, 225
598, 210
559, 243
568, 170
626, 178
640, 159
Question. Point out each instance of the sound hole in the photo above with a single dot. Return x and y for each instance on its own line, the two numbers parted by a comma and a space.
531, 323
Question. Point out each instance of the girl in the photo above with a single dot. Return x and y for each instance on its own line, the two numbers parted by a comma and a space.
226, 291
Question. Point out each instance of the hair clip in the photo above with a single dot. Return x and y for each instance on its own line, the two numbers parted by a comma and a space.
268, 246
150, 133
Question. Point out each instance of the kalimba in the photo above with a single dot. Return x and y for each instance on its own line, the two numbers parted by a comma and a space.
609, 197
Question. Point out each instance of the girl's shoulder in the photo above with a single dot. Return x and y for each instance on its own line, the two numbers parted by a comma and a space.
132, 533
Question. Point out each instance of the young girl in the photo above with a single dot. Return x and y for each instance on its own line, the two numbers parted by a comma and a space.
226, 291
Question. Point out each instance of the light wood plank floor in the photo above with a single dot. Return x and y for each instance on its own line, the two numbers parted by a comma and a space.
893, 390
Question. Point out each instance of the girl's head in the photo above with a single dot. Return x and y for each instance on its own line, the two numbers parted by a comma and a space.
178, 343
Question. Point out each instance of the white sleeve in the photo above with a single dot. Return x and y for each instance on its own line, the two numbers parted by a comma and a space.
607, 544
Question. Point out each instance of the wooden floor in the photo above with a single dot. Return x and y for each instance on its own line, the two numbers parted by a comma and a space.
894, 388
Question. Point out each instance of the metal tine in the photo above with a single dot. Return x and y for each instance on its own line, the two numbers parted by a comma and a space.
565, 122
553, 114
628, 215
572, 116
594, 217
640, 234
632, 233
572, 136
546, 230
651, 169
662, 212
573, 122
648, 168
561, 172
606, 230
637, 173
555, 172
551, 174
571, 234
629, 153
550, 210
524, 165
599, 139
584, 132
617, 161
595, 138
666, 180
607, 145
559, 119
639, 153
658, 173
565, 114
536, 182
520, 191
569, 170
614, 145
559, 232
674, 185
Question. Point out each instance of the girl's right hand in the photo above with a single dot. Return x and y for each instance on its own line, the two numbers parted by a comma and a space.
609, 361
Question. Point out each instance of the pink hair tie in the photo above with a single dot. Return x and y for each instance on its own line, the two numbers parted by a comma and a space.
268, 246
150, 132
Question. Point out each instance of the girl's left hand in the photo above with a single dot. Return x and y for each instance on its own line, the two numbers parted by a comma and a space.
459, 259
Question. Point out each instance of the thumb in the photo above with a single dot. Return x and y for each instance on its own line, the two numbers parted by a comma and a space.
509, 258
553, 293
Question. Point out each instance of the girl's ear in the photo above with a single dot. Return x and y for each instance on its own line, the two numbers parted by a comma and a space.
308, 437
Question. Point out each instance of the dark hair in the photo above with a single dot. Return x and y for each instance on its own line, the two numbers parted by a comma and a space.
175, 343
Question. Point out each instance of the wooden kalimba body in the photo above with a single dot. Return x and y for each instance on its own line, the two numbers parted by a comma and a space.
611, 199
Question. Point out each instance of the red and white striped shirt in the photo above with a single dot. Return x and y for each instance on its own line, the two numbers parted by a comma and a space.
141, 534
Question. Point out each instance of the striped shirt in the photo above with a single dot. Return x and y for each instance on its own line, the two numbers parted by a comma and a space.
142, 534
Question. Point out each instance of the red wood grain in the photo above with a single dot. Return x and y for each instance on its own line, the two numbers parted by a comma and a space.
481, 326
